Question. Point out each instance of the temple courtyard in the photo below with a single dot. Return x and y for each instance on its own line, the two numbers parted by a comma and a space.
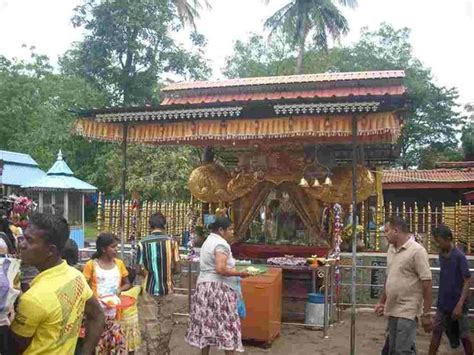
296, 340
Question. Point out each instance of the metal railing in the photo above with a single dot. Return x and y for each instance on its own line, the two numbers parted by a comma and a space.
326, 273
339, 304
421, 220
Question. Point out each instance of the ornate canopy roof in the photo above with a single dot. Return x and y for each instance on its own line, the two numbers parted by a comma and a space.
294, 109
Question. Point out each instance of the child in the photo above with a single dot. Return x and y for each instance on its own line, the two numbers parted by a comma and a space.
107, 275
129, 320
453, 296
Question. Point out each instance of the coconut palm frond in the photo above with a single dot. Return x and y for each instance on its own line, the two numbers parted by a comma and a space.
280, 16
335, 22
320, 35
322, 18
283, 20
188, 11
349, 3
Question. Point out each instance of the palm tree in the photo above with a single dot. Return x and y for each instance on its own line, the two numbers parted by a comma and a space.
300, 18
188, 11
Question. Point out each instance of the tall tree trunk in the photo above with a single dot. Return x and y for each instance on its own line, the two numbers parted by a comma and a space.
301, 43
299, 59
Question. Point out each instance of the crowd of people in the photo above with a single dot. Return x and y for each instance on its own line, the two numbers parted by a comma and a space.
59, 306
61, 309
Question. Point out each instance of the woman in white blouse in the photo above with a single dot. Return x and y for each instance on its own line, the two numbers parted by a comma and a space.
214, 319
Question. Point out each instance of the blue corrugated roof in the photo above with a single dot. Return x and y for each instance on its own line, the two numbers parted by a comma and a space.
18, 175
59, 177
17, 158
59, 182
19, 169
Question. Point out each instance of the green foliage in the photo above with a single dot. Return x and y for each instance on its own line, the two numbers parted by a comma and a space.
318, 19
188, 11
433, 117
34, 115
156, 173
128, 53
128, 47
432, 155
257, 57
467, 137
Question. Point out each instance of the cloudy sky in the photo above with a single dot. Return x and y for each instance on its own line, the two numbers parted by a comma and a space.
442, 31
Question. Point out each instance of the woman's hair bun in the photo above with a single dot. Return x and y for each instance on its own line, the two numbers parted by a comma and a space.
216, 222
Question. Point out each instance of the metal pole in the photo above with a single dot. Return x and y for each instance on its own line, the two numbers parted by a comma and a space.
354, 236
326, 300
123, 190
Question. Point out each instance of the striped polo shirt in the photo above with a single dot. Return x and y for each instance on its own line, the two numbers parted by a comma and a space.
157, 253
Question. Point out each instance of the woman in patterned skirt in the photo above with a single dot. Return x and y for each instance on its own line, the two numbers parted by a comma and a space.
214, 319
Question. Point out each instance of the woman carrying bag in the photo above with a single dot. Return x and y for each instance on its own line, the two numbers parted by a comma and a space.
214, 319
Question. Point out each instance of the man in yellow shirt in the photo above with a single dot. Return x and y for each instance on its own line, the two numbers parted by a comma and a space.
50, 313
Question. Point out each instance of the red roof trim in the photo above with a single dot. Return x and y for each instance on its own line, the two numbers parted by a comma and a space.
427, 185
428, 176
261, 96
287, 79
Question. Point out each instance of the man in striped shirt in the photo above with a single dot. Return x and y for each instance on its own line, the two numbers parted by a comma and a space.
158, 255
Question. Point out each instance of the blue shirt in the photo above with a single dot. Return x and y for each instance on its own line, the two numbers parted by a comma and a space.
454, 269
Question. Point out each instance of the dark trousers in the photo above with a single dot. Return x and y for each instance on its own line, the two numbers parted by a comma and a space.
401, 335
4, 341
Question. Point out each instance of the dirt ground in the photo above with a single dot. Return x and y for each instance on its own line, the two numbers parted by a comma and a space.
296, 340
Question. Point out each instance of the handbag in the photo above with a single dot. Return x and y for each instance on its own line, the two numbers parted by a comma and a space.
241, 310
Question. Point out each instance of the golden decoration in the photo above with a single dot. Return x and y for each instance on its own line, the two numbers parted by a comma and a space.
341, 189
209, 183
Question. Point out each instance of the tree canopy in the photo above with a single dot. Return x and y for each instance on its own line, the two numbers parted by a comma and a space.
434, 116
128, 49
317, 19
127, 53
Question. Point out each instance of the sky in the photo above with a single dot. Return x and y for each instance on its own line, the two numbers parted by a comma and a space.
442, 31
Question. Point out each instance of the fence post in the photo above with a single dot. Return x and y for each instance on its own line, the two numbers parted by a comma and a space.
106, 215
99, 213
442, 213
362, 221
459, 217
116, 217
410, 219
415, 218
143, 218
378, 211
469, 230
428, 225
127, 220
456, 224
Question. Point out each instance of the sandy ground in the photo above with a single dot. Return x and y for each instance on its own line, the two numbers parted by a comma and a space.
295, 340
